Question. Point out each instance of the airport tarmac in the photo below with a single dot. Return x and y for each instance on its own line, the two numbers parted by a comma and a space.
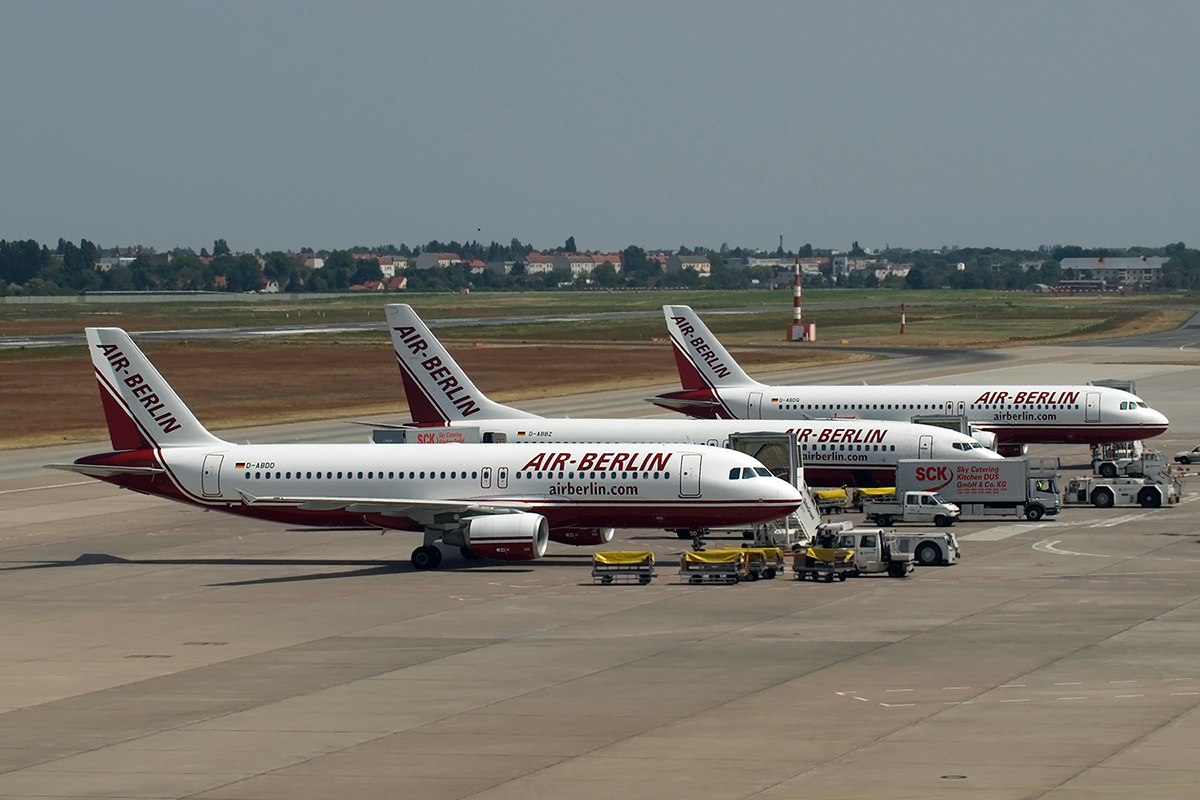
152, 650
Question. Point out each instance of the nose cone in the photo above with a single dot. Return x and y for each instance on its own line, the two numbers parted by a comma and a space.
1155, 423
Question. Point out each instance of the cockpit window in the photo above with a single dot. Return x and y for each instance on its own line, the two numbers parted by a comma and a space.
1142, 405
747, 472
763, 472
735, 473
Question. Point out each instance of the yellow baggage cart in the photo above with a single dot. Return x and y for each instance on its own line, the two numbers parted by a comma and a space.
713, 566
763, 562
825, 563
623, 566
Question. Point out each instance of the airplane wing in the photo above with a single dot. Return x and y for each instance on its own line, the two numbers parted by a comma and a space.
424, 511
105, 471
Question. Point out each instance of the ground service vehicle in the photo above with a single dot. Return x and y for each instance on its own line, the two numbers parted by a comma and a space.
1012, 487
932, 549
841, 552
714, 566
1148, 492
830, 501
1133, 461
911, 507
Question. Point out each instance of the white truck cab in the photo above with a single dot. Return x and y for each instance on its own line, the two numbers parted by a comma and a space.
917, 506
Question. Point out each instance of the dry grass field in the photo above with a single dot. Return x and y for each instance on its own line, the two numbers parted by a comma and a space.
50, 395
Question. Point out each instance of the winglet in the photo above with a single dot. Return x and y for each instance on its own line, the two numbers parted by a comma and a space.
439, 391
142, 410
703, 363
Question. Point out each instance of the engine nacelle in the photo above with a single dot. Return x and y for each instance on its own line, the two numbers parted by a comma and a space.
1012, 450
582, 536
511, 537
985, 438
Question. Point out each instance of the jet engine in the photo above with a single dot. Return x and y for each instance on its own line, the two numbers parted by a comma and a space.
582, 536
985, 438
1012, 450
511, 537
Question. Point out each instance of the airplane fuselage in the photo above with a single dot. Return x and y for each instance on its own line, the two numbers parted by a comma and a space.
1015, 414
572, 486
842, 452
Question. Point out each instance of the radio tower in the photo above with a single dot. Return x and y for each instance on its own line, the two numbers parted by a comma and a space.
797, 331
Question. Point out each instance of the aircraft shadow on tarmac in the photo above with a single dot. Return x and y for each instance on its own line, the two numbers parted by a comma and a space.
366, 567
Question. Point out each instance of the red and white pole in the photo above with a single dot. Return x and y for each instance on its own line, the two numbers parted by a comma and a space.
903, 327
796, 298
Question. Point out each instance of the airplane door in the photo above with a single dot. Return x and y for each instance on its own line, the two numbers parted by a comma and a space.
689, 475
950, 407
210, 479
502, 478
485, 478
925, 447
962, 408
1092, 409
754, 406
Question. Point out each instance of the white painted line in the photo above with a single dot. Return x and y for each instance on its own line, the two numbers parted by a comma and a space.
1182, 694
1022, 700
1172, 680
865, 700
1131, 695
897, 705
1048, 546
899, 690
1070, 683
51, 486
1122, 681
1112, 523
1011, 686
957, 702
948, 688
1080, 697
1002, 532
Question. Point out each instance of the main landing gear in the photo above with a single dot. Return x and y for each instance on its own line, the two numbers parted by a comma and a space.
426, 557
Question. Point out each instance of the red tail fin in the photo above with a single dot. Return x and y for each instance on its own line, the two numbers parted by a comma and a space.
122, 430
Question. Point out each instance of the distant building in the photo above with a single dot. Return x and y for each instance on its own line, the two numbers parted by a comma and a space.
1144, 271
431, 260
387, 266
577, 264
314, 262
538, 264
697, 264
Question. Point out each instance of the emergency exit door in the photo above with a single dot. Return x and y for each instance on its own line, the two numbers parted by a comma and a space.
754, 406
925, 447
689, 475
210, 480
1092, 408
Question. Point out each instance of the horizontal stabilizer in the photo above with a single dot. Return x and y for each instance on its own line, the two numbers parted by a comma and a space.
105, 471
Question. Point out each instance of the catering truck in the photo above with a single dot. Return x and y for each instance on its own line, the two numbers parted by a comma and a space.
1012, 487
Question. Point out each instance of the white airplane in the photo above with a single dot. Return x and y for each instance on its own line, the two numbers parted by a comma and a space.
715, 387
499, 500
835, 452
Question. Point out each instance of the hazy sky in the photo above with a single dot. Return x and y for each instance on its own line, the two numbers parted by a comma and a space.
917, 124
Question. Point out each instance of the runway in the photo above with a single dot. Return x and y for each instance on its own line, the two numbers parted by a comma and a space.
153, 650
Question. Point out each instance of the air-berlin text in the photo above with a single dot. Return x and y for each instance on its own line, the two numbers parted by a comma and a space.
844, 435
437, 373
701, 350
615, 462
1043, 398
142, 391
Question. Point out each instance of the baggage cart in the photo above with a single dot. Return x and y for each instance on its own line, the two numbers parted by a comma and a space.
763, 562
825, 563
713, 566
623, 566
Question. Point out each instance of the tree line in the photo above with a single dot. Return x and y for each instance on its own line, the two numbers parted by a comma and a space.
30, 268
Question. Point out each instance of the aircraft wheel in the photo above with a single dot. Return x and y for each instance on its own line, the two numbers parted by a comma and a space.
426, 557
